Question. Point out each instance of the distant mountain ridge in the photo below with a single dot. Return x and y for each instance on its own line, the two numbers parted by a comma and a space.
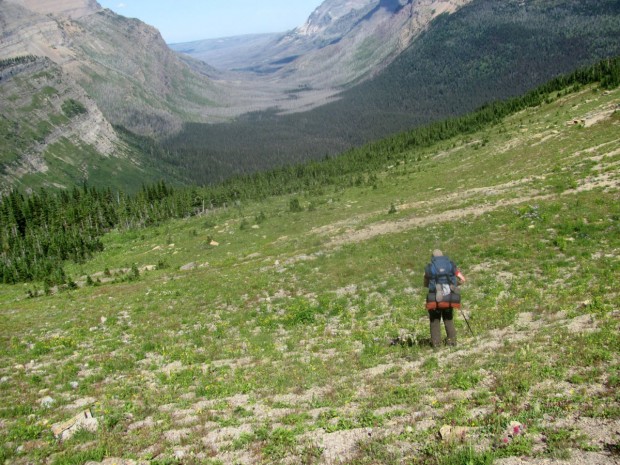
341, 43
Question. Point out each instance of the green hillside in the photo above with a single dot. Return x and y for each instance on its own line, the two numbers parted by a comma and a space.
293, 329
486, 51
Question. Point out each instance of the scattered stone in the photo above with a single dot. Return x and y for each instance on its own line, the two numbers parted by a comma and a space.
80, 403
146, 423
340, 446
214, 244
74, 384
189, 267
117, 461
173, 367
180, 454
47, 402
83, 420
453, 433
175, 436
103, 320
582, 324
4, 379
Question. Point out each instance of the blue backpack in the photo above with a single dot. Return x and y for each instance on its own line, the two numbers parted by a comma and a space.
441, 270
443, 291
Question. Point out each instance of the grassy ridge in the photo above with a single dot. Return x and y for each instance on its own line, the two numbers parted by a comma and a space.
275, 342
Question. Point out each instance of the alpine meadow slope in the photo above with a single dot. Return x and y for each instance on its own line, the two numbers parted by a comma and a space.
292, 328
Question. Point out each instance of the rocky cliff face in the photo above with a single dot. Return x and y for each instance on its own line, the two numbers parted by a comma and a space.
48, 122
34, 90
122, 63
329, 13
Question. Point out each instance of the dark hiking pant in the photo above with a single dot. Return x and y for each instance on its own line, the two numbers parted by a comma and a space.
436, 316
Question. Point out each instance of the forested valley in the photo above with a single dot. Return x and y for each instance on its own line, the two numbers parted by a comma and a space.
40, 231
485, 52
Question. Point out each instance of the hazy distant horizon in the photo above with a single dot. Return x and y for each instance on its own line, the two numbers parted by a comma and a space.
215, 19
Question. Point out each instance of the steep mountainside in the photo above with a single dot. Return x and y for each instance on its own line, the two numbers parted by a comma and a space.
123, 63
53, 133
118, 71
417, 61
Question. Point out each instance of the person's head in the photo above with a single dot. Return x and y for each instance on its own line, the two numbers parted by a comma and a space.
437, 253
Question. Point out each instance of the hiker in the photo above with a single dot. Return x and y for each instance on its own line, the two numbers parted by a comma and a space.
440, 276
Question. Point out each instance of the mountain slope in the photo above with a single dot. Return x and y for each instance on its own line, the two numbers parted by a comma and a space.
119, 70
122, 63
54, 134
272, 334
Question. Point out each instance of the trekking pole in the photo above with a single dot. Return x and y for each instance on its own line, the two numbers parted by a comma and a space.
467, 322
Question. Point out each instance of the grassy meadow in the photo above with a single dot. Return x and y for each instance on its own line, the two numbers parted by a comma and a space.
294, 331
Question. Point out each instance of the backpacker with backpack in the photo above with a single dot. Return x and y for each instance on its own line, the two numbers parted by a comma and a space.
443, 291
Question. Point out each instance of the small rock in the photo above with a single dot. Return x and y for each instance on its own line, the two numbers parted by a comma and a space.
188, 267
173, 367
453, 433
66, 429
47, 402
74, 384
176, 436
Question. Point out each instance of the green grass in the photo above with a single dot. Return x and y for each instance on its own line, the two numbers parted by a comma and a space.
278, 344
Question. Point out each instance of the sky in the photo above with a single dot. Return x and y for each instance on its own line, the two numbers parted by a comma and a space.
188, 20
